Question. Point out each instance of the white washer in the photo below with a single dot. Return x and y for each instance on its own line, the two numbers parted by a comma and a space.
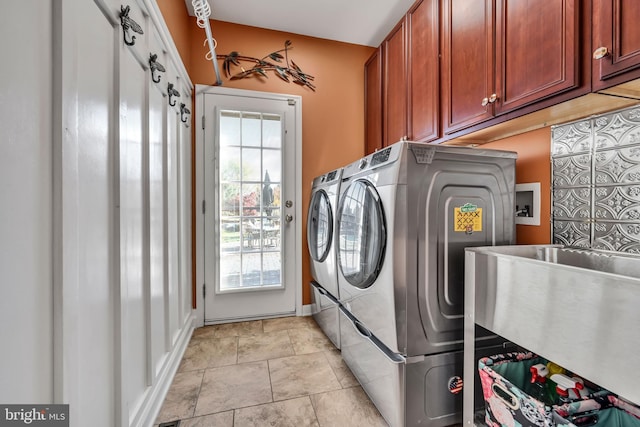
321, 228
406, 214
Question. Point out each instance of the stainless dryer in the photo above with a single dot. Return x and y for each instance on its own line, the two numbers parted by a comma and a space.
406, 214
321, 227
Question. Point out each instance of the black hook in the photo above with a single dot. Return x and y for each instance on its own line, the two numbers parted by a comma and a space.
183, 110
172, 92
129, 24
154, 65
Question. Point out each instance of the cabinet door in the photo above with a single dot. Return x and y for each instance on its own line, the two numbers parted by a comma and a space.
537, 51
424, 71
615, 27
373, 102
394, 111
467, 62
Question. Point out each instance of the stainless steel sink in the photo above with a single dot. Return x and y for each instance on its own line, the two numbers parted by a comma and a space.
579, 308
607, 262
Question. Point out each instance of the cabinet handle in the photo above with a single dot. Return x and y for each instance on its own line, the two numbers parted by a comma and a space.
493, 98
600, 52
485, 101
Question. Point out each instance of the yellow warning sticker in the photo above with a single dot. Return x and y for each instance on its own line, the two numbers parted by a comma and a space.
467, 218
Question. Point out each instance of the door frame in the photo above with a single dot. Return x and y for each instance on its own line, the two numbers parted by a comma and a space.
198, 159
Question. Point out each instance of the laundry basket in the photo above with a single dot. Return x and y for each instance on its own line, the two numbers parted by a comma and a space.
508, 393
603, 411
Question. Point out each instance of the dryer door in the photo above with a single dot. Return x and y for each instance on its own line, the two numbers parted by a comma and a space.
361, 234
319, 226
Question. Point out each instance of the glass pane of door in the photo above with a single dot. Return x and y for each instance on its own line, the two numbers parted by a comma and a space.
250, 226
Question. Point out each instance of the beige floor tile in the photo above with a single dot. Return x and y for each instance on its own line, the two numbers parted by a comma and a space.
287, 413
269, 345
238, 329
301, 375
234, 386
222, 419
342, 371
206, 332
182, 397
292, 322
348, 407
209, 353
309, 340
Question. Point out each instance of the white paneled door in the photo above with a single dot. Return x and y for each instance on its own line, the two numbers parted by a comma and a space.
249, 205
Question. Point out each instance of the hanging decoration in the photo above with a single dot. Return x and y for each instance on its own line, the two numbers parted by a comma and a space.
287, 70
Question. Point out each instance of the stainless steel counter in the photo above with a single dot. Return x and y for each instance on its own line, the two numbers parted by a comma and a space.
578, 308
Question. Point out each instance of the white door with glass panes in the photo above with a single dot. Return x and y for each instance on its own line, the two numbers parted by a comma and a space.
249, 209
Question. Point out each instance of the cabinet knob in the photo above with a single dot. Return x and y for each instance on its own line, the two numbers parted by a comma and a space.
493, 98
485, 101
600, 52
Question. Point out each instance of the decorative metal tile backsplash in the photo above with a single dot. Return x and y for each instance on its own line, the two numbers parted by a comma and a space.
595, 166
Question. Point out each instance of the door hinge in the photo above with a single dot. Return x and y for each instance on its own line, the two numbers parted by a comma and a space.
204, 290
204, 206
291, 101
203, 122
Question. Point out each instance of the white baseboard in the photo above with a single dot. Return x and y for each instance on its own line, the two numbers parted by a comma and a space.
156, 394
306, 310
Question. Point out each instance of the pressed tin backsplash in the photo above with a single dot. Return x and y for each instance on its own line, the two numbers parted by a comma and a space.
595, 167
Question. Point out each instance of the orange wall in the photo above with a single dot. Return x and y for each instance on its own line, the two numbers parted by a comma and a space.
178, 21
533, 165
332, 116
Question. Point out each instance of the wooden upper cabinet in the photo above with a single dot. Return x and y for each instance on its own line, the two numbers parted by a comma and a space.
373, 102
410, 80
394, 111
467, 62
537, 51
423, 71
616, 42
535, 55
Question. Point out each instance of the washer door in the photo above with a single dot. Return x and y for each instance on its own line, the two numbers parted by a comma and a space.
361, 233
319, 226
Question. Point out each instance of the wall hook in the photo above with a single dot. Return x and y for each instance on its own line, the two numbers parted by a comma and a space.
183, 110
172, 92
129, 24
154, 65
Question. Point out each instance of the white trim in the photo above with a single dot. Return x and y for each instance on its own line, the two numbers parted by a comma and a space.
306, 310
156, 394
199, 197
165, 35
200, 91
533, 187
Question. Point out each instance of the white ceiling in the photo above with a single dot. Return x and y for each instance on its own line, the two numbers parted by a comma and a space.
363, 22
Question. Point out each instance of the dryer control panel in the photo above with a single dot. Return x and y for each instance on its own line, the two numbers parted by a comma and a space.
380, 156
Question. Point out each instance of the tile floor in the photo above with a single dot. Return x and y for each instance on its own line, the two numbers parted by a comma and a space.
275, 372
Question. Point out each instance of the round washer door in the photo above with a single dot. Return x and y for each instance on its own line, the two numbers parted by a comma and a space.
319, 226
361, 234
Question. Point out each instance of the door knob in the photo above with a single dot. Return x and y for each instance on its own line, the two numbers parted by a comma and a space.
288, 218
493, 98
485, 101
600, 52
